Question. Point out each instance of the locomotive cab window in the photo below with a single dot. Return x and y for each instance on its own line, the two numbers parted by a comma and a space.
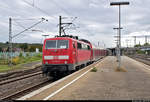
62, 44
50, 44
57, 44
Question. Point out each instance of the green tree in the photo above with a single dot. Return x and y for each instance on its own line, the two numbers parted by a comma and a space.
146, 44
32, 48
24, 46
137, 45
1, 49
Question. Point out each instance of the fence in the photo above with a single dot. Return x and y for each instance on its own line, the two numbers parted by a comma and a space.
5, 55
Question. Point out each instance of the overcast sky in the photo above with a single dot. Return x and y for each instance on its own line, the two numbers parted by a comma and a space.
95, 20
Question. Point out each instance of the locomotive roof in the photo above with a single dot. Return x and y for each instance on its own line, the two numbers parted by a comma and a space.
79, 40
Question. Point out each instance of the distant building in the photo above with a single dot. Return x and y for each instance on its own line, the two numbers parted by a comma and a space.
37, 50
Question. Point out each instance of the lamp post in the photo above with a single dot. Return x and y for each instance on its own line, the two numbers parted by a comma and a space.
119, 4
117, 46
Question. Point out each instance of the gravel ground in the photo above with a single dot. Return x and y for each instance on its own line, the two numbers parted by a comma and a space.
107, 84
19, 85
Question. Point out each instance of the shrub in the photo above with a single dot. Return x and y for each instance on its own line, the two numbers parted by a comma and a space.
39, 55
15, 60
140, 52
20, 55
94, 69
27, 54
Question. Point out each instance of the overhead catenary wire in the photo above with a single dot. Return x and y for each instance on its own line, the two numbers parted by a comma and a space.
28, 28
39, 9
46, 12
20, 25
54, 2
60, 7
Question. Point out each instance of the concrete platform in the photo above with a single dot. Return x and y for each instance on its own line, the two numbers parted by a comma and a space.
108, 84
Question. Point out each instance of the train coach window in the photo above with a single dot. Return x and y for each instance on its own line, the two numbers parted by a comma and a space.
79, 46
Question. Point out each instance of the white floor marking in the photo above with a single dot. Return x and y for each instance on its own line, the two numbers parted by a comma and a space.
66, 85
50, 85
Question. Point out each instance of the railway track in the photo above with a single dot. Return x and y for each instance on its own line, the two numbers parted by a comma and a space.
12, 75
24, 91
16, 79
19, 78
144, 59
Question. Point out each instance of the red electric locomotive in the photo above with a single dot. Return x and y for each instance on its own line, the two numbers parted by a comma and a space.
63, 54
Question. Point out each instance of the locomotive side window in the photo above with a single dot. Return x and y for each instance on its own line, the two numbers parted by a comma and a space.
50, 44
79, 46
74, 45
89, 47
62, 44
85, 47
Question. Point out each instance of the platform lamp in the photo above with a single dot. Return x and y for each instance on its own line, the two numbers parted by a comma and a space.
119, 4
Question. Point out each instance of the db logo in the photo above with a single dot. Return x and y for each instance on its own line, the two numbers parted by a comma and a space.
55, 57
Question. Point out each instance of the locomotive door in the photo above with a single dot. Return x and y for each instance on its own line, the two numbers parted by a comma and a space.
75, 53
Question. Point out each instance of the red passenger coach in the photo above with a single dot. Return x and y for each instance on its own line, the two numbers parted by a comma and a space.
98, 53
63, 54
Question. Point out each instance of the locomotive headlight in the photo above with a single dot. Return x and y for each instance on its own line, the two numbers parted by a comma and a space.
65, 62
48, 57
63, 57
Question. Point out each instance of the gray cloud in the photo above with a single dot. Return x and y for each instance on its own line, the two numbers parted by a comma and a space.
96, 18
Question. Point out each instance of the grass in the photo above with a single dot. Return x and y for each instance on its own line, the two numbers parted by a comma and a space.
94, 69
4, 68
19, 61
